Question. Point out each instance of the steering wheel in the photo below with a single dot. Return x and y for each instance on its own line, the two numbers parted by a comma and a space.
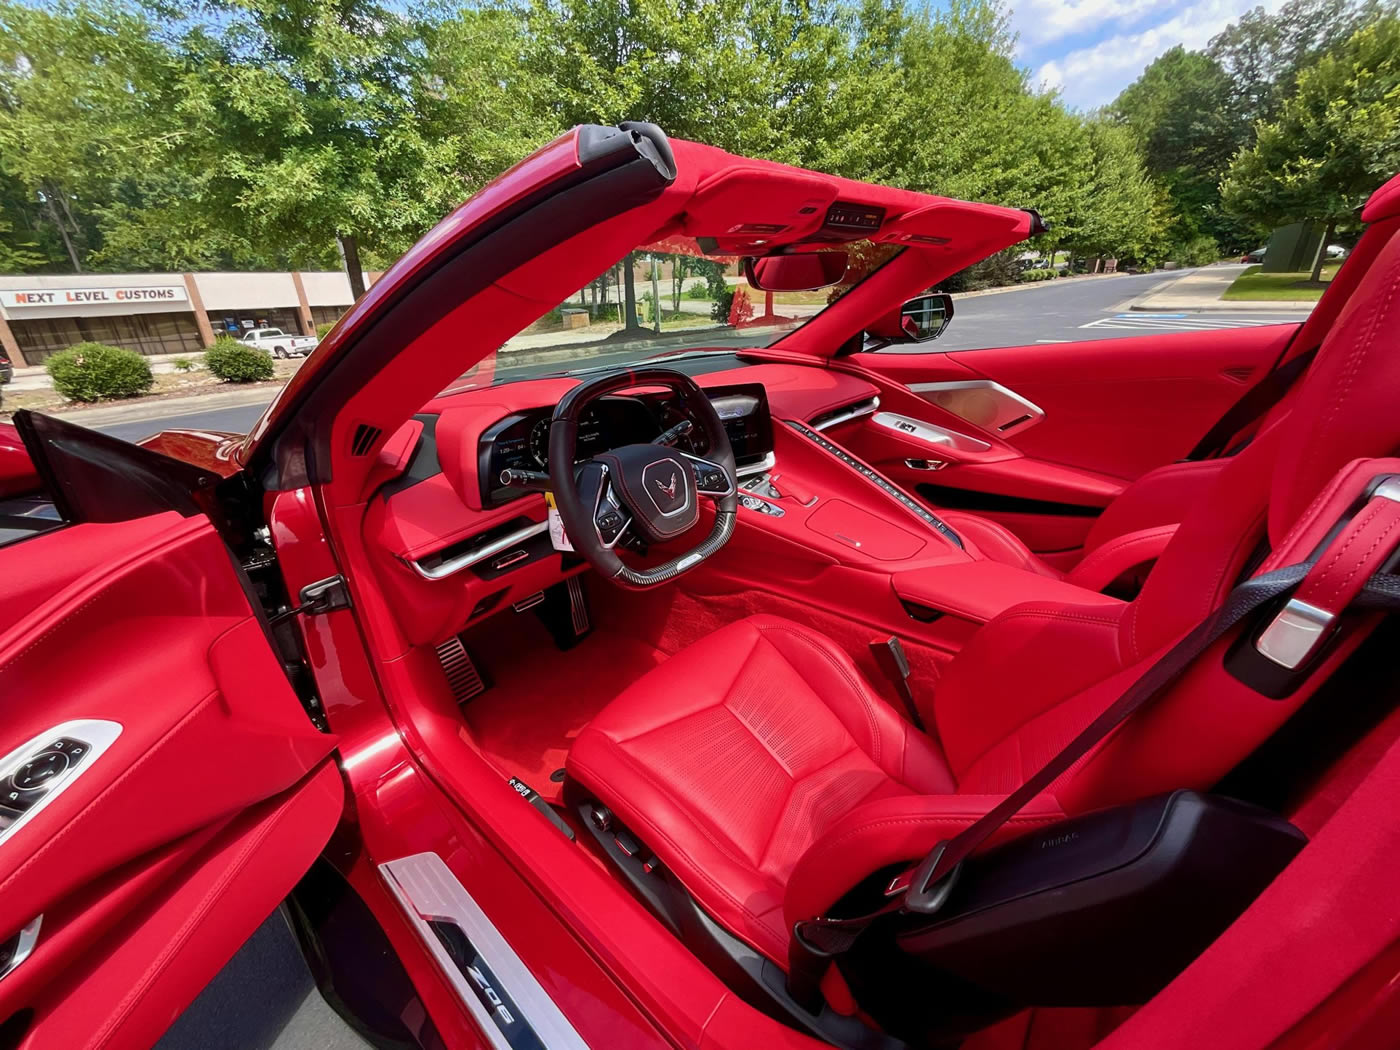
652, 490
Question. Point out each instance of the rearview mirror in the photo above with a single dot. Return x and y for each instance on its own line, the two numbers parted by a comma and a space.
917, 321
795, 273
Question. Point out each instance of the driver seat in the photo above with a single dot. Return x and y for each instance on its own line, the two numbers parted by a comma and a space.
770, 779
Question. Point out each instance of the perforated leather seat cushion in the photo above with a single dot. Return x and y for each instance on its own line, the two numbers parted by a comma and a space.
731, 758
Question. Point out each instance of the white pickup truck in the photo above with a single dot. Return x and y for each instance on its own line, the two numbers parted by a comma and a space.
279, 343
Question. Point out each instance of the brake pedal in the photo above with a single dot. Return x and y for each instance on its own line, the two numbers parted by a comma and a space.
463, 678
564, 611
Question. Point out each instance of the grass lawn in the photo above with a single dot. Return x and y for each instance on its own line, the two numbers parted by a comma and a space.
1279, 286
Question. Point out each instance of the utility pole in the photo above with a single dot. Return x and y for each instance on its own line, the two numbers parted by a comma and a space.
656, 294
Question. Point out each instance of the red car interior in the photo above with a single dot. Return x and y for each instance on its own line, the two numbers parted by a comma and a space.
907, 581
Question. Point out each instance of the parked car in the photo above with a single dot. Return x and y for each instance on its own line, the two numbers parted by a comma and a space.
572, 692
279, 344
1256, 256
7, 370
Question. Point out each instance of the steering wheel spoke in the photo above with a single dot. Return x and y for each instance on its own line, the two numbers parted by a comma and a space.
712, 479
611, 519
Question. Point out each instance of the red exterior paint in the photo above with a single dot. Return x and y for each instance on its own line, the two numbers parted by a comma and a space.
17, 474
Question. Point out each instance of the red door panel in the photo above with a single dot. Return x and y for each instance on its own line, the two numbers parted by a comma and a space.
1098, 415
1113, 406
189, 768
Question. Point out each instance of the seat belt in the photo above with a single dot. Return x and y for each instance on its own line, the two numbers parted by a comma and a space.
923, 890
1255, 401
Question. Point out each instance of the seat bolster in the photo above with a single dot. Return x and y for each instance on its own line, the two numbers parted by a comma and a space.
1106, 563
738, 896
1160, 497
893, 831
995, 541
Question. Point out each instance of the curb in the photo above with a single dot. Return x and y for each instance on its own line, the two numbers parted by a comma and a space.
148, 408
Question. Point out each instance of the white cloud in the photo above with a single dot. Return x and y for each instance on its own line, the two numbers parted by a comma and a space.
1041, 22
1093, 76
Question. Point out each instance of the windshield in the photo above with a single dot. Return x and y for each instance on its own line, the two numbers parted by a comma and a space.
666, 299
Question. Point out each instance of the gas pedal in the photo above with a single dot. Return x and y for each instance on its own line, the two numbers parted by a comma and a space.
463, 678
578, 607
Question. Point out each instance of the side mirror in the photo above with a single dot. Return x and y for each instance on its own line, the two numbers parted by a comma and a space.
919, 320
795, 273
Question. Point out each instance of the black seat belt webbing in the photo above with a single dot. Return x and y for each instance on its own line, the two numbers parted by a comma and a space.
1255, 401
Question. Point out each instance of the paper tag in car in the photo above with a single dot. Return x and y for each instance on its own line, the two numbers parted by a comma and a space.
558, 538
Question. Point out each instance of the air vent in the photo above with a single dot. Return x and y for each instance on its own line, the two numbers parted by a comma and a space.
1238, 374
365, 437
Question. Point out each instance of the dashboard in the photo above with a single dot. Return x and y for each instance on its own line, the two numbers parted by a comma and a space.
520, 441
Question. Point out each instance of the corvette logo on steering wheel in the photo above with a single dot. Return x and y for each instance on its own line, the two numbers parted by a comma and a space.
669, 489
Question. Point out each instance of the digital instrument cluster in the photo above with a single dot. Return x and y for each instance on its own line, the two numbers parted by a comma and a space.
520, 441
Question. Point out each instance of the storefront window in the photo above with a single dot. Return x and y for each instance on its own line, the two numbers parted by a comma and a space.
236, 322
174, 333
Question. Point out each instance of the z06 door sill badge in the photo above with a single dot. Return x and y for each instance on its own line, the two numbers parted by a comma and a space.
499, 990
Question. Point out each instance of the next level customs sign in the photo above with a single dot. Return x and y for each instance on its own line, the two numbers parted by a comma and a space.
114, 296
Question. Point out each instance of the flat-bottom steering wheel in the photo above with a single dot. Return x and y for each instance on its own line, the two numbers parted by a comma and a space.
653, 490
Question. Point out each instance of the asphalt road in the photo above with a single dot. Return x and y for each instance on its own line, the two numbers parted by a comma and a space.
1052, 312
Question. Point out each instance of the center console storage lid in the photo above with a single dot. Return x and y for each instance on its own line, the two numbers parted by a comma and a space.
864, 532
980, 590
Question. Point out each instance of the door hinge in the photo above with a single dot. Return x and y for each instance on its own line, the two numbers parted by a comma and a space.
323, 596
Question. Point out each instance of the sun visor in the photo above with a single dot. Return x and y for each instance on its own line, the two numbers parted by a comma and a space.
750, 208
955, 222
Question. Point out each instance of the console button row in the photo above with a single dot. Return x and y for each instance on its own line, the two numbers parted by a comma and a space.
880, 482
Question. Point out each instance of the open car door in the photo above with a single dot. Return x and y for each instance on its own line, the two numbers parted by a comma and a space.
162, 786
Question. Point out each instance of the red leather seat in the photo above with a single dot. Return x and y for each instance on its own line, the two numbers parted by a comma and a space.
770, 780
732, 757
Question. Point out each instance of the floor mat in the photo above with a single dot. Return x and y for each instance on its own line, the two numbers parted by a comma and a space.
539, 697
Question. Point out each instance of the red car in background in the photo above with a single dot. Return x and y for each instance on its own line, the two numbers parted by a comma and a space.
628, 629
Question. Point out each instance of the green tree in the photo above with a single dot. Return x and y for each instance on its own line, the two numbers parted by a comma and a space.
1263, 53
1335, 141
1181, 109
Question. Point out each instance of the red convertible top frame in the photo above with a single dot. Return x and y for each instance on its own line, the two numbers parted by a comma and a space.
553, 222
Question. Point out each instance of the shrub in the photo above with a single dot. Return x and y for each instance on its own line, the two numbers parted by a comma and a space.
1038, 275
184, 364
1198, 251
94, 371
322, 329
233, 362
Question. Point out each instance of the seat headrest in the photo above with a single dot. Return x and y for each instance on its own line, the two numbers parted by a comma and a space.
1384, 203
1347, 406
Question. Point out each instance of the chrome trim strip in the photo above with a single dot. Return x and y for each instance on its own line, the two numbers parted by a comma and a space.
1294, 634
97, 733
1011, 405
480, 554
929, 433
27, 938
426, 889
860, 408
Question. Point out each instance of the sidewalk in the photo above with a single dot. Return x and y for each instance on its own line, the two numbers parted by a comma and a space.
1200, 292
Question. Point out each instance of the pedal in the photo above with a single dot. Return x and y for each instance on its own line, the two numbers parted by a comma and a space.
563, 610
529, 602
463, 678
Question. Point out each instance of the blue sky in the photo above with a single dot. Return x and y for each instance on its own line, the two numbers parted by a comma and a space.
1091, 49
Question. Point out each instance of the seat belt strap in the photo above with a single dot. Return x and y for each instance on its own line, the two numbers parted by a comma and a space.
1374, 531
1253, 403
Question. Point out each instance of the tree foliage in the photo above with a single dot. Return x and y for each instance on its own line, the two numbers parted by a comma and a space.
1335, 139
203, 134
